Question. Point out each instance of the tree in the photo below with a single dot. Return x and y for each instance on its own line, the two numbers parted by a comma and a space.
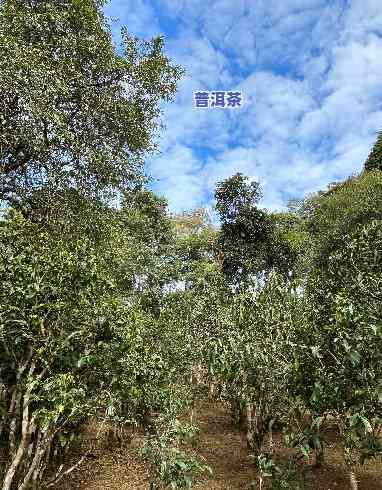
341, 373
374, 160
54, 293
75, 341
244, 228
236, 195
75, 114
253, 241
287, 242
77, 119
145, 228
341, 343
334, 214
194, 245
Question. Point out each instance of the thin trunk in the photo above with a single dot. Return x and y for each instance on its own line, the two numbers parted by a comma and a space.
59, 477
45, 447
353, 481
48, 451
45, 462
40, 466
4, 399
259, 429
192, 401
19, 454
319, 457
2, 425
26, 427
238, 414
199, 369
250, 428
14, 411
270, 441
33, 464
212, 389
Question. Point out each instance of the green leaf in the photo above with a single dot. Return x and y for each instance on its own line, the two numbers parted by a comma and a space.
305, 449
355, 358
366, 423
182, 465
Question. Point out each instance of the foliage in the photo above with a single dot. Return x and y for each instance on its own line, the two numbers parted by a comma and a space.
53, 294
339, 370
72, 345
244, 228
250, 358
75, 114
277, 475
77, 270
288, 243
333, 215
374, 160
253, 242
173, 467
194, 246
347, 327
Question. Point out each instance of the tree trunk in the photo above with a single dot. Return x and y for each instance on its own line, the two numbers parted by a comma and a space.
238, 414
250, 428
33, 464
319, 457
15, 413
353, 481
212, 390
27, 426
199, 371
4, 399
17, 459
270, 441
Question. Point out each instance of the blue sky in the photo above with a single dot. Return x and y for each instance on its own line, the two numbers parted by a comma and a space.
311, 75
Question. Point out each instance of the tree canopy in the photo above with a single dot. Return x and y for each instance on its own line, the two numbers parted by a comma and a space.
75, 112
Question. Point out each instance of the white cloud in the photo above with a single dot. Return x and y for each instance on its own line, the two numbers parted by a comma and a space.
311, 72
178, 170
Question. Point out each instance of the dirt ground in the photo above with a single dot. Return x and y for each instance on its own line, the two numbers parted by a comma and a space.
222, 448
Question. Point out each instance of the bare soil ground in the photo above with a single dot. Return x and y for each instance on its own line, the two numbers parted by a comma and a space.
223, 449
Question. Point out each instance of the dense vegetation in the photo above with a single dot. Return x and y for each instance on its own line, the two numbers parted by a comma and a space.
112, 309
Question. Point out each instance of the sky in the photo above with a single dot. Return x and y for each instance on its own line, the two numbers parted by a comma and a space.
311, 76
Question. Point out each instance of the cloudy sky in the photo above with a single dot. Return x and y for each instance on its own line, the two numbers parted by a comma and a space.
311, 75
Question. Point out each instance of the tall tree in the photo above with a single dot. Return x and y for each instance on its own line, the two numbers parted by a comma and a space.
76, 120
74, 112
253, 241
244, 227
